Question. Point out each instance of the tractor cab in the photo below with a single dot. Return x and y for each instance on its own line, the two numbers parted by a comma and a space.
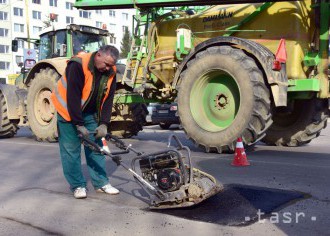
62, 41
71, 40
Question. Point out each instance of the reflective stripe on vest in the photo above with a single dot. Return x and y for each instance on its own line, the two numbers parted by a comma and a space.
59, 94
60, 99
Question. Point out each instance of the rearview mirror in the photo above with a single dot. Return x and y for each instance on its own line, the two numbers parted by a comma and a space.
14, 45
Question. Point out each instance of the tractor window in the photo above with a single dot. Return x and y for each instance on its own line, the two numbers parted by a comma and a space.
53, 44
84, 42
60, 44
45, 50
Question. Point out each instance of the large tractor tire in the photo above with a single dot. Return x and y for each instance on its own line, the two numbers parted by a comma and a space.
299, 124
40, 110
128, 119
7, 128
222, 96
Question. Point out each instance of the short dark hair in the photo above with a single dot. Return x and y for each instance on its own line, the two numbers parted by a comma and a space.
110, 50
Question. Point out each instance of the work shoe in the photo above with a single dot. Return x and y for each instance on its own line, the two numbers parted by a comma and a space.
108, 189
80, 192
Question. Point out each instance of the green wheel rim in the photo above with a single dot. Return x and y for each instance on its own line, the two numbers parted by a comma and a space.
215, 100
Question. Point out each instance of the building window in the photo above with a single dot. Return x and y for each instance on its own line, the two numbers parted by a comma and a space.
112, 13
36, 15
3, 1
125, 16
18, 11
125, 28
69, 20
3, 32
36, 1
19, 60
4, 65
36, 29
18, 27
112, 28
3, 15
69, 5
53, 3
4, 49
99, 12
113, 40
85, 14
98, 24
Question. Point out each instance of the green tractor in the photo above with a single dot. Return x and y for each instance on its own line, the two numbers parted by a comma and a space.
253, 70
28, 102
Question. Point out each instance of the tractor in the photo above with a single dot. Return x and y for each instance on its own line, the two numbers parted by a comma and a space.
28, 102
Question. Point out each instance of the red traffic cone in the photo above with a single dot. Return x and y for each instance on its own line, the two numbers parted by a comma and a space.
240, 155
105, 145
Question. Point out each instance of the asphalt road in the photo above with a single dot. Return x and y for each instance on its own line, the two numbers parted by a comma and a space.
285, 191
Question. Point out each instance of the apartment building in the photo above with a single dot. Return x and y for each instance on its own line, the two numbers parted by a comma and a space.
26, 19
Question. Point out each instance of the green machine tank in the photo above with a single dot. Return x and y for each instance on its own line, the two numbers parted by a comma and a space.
251, 69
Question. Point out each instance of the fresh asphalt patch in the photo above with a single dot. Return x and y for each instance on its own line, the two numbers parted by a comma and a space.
238, 205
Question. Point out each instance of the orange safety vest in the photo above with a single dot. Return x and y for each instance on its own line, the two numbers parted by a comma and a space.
59, 94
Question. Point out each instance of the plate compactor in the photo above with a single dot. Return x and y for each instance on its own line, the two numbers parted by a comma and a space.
167, 176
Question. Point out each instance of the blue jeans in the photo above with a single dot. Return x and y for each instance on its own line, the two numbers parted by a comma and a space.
70, 151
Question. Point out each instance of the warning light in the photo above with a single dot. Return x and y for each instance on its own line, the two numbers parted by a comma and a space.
277, 65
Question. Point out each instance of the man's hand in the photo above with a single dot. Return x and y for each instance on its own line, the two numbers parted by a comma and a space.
101, 131
83, 131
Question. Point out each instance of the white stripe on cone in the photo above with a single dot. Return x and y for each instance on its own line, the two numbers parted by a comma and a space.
239, 145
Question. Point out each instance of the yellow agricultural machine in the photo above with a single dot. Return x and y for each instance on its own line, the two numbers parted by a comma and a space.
251, 69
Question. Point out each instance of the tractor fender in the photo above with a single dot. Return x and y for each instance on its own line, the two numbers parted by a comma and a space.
12, 100
58, 64
262, 55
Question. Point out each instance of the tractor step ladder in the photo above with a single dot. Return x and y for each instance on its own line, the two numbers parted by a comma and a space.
136, 52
